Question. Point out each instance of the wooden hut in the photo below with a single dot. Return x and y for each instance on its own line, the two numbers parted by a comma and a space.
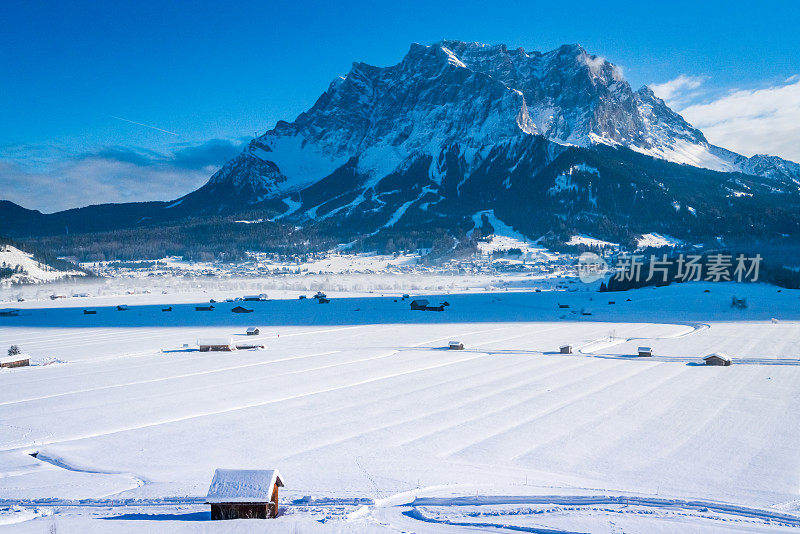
241, 309
565, 349
255, 298
419, 304
16, 360
717, 358
455, 345
253, 331
217, 344
244, 493
645, 352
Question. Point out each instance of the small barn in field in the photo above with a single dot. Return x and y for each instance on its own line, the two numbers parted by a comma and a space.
645, 352
244, 493
419, 304
15, 360
455, 345
717, 358
253, 331
216, 344
565, 349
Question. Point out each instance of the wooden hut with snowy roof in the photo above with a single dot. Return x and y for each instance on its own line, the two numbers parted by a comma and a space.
224, 344
15, 360
717, 358
244, 493
419, 304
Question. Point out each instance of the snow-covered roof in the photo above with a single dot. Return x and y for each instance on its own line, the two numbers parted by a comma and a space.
243, 485
720, 355
252, 329
14, 358
645, 349
215, 341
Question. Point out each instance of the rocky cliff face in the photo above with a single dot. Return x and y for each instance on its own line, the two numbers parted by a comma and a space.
453, 127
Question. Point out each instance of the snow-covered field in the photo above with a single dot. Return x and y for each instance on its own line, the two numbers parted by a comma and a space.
377, 427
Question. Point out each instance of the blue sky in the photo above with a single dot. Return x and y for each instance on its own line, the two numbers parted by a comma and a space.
79, 76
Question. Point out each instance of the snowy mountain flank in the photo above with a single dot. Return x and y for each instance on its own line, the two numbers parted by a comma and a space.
20, 267
551, 142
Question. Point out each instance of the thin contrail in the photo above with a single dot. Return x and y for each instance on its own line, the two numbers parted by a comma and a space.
145, 125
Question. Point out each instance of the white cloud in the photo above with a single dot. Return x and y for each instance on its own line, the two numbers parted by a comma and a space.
49, 178
94, 181
756, 121
677, 88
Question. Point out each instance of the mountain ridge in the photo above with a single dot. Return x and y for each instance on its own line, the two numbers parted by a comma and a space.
455, 128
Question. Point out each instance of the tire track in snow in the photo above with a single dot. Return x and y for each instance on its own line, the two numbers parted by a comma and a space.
256, 404
167, 378
628, 500
495, 392
518, 400
604, 413
551, 408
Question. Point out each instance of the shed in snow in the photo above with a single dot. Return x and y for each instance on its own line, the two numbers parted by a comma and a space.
419, 304
241, 309
17, 360
565, 349
455, 345
216, 344
253, 331
645, 352
717, 358
255, 298
244, 493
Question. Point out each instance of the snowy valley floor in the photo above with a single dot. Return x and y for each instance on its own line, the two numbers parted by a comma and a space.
378, 428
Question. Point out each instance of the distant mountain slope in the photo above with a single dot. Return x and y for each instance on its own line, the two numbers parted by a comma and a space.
552, 142
20, 267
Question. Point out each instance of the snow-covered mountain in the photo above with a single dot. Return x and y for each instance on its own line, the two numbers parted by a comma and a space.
555, 141
473, 95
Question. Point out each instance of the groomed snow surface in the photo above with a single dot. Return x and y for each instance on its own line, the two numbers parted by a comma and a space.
379, 428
